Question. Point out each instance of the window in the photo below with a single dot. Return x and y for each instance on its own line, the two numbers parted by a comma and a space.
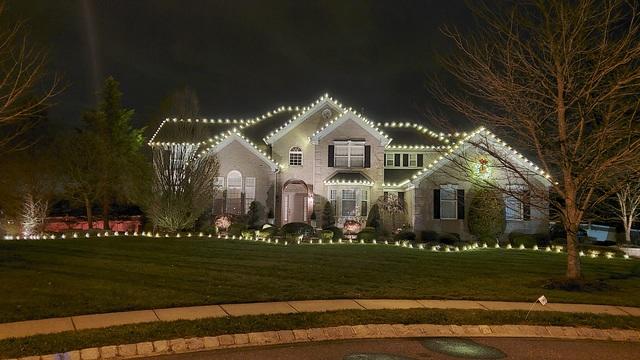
364, 202
349, 154
413, 160
295, 156
514, 208
234, 192
249, 192
348, 202
448, 202
219, 182
388, 160
332, 199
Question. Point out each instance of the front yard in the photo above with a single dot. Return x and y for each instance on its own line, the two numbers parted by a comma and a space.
48, 278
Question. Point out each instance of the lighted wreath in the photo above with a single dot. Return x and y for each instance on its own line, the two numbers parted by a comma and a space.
482, 168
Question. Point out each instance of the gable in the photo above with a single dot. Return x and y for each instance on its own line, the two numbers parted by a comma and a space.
347, 116
319, 107
233, 138
465, 144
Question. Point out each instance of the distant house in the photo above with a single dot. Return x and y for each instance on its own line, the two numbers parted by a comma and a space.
294, 160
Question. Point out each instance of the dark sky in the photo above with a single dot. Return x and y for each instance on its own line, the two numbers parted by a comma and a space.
245, 57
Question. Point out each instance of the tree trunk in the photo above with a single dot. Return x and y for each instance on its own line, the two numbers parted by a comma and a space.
627, 232
105, 214
88, 207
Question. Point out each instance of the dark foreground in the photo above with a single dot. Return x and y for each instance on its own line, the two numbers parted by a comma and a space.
444, 348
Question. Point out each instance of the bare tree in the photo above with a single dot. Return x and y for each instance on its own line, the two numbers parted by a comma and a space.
628, 210
23, 94
559, 80
393, 206
183, 185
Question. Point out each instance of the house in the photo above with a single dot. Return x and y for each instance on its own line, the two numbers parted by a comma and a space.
293, 160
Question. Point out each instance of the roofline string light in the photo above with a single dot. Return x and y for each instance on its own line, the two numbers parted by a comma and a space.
349, 182
243, 123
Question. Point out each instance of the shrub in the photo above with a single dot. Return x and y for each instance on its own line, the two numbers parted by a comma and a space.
486, 214
490, 241
516, 239
351, 227
326, 235
297, 229
248, 234
429, 236
448, 238
367, 234
405, 235
237, 229
337, 232
601, 250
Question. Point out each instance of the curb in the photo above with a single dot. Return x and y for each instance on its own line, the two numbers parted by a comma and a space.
374, 331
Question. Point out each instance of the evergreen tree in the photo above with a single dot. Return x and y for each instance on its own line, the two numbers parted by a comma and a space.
328, 218
120, 167
373, 220
486, 219
255, 215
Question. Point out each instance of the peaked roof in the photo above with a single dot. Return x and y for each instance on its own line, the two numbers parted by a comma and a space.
225, 139
331, 125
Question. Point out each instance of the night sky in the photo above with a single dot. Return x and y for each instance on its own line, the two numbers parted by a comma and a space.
245, 57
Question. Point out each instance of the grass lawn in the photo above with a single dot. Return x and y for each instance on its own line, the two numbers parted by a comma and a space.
127, 334
48, 278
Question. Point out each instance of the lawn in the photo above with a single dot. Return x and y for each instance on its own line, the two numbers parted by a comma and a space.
49, 278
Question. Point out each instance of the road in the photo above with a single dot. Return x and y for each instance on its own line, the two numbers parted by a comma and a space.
408, 349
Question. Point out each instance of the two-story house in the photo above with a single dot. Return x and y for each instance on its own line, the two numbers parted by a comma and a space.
294, 160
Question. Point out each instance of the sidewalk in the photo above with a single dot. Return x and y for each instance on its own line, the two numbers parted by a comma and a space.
82, 322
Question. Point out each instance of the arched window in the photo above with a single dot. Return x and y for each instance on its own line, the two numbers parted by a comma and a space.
234, 192
295, 156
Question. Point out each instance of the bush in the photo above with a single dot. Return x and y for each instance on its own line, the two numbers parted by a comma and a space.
429, 236
297, 229
269, 232
367, 234
326, 235
486, 214
328, 218
528, 240
448, 238
337, 232
237, 229
601, 250
405, 235
248, 234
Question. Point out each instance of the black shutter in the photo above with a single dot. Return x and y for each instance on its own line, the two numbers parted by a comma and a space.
385, 195
436, 203
526, 206
330, 159
405, 159
420, 160
460, 203
396, 159
401, 197
367, 156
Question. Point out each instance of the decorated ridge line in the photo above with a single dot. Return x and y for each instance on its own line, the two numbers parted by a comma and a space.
301, 241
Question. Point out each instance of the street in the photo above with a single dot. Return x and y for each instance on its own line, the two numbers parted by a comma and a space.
429, 348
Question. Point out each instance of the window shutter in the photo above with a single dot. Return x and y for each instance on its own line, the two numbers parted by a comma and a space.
420, 160
460, 203
330, 159
401, 197
396, 159
436, 203
405, 159
526, 205
367, 156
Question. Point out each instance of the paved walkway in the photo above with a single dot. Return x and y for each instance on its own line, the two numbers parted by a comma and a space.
82, 322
